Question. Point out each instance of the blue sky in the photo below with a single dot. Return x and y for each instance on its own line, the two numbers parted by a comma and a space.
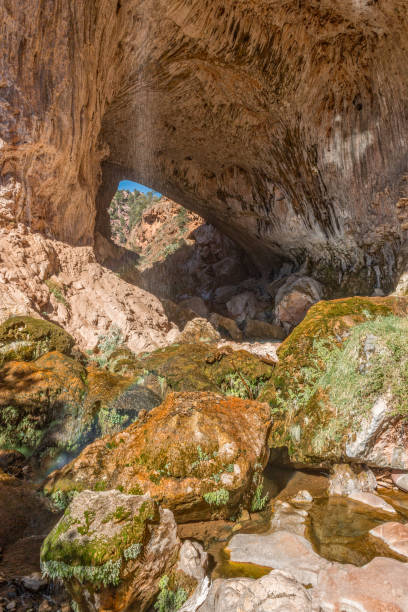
131, 186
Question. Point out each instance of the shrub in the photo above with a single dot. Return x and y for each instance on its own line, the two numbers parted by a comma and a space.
220, 497
168, 600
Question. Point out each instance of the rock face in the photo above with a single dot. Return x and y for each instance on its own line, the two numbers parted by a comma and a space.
212, 466
336, 390
111, 549
66, 285
293, 142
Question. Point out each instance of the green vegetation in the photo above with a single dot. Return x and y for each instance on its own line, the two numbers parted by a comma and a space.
61, 499
58, 292
169, 600
25, 338
237, 384
106, 574
220, 497
330, 394
258, 501
107, 344
126, 210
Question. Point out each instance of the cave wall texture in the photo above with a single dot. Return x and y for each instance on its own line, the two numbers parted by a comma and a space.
282, 122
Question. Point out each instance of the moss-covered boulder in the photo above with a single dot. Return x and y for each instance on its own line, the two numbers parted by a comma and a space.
199, 454
199, 367
339, 392
51, 408
25, 338
111, 549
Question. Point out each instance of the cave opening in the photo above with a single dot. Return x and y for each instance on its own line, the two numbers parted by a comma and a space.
190, 265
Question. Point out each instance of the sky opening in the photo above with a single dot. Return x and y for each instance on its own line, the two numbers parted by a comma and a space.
131, 186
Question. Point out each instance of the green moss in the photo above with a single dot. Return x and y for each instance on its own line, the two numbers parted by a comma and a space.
25, 338
337, 383
96, 559
197, 367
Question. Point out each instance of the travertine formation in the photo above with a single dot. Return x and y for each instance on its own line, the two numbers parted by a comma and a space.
283, 123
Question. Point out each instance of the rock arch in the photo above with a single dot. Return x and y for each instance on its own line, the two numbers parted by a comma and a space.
283, 122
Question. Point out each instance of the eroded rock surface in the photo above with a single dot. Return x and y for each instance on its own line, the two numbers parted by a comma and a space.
111, 549
293, 142
335, 392
199, 454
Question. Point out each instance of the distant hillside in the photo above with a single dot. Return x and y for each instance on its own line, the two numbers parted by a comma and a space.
126, 211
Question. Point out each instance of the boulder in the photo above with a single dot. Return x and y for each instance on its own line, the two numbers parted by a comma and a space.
372, 500
400, 481
379, 586
111, 549
394, 536
335, 392
198, 330
281, 550
288, 518
198, 454
24, 517
348, 479
294, 298
226, 327
25, 338
262, 330
275, 592
202, 367
196, 304
193, 560
242, 306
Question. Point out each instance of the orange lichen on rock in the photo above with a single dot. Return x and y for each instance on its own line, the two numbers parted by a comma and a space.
198, 454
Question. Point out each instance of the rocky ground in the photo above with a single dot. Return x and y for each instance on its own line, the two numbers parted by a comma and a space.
166, 480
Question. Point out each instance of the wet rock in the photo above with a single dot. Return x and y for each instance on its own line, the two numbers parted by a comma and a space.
110, 550
226, 327
288, 518
25, 338
275, 592
261, 330
401, 481
242, 306
302, 497
54, 406
198, 330
324, 372
294, 298
375, 501
379, 585
193, 560
394, 536
279, 550
197, 454
347, 479
201, 367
